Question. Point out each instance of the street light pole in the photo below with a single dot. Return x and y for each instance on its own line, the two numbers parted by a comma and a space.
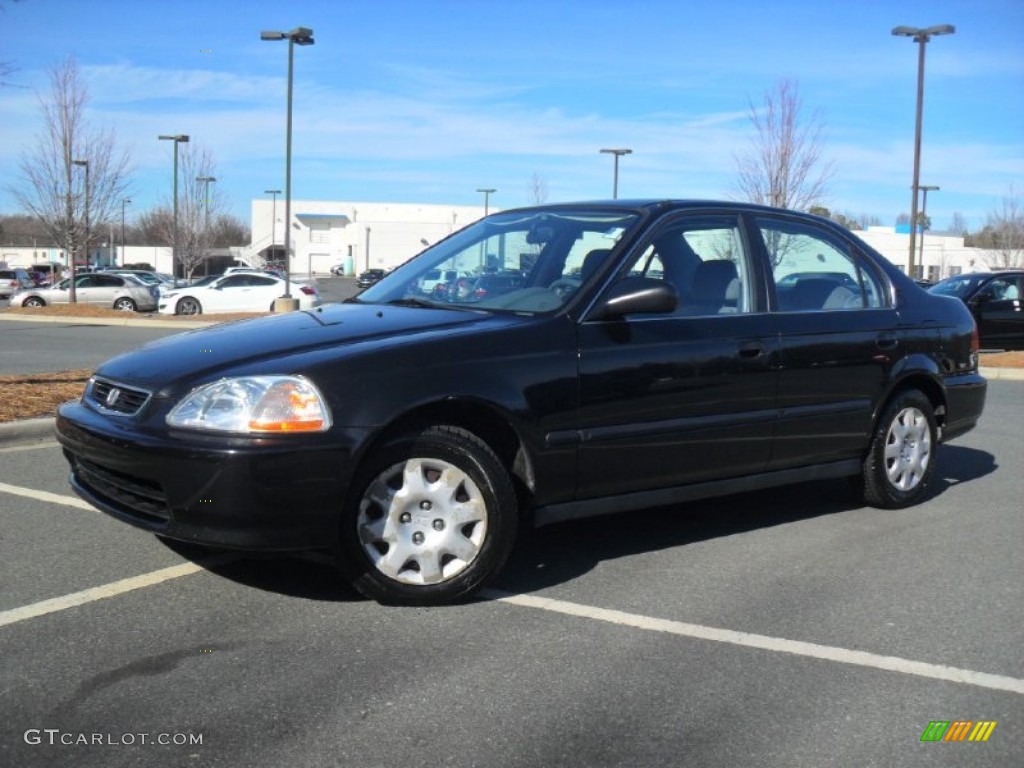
177, 139
617, 153
273, 217
298, 36
123, 201
921, 37
206, 180
72, 295
924, 219
487, 197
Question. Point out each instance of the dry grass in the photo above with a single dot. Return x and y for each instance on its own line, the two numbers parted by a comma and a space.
86, 310
1003, 359
29, 396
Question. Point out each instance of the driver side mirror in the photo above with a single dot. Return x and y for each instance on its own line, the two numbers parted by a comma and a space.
636, 296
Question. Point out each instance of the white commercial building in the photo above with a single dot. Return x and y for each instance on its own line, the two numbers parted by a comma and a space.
358, 236
937, 256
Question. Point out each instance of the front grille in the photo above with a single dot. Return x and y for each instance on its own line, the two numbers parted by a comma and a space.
116, 398
141, 498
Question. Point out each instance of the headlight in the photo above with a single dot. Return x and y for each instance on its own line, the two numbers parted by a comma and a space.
254, 405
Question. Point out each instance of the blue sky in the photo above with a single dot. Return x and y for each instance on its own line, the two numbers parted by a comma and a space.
429, 100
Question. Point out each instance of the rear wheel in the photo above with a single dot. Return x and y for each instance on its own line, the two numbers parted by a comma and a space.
901, 458
432, 518
188, 306
124, 304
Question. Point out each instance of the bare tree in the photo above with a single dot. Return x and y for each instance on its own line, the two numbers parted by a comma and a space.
784, 166
6, 67
1003, 234
537, 190
53, 187
197, 212
957, 225
228, 230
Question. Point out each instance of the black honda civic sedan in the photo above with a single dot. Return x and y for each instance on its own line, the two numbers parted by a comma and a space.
655, 352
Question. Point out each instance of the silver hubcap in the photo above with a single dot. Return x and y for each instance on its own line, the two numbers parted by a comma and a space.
422, 521
908, 449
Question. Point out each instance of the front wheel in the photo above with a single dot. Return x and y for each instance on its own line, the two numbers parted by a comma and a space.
188, 306
433, 516
33, 301
901, 458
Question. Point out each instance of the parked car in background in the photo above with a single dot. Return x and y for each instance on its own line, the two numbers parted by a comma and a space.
12, 280
102, 289
481, 287
38, 278
160, 280
338, 270
642, 357
996, 299
236, 292
435, 277
369, 277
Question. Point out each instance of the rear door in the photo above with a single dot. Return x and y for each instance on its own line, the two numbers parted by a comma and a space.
684, 396
840, 336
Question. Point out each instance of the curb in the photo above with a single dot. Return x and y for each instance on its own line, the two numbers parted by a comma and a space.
1003, 374
145, 321
27, 429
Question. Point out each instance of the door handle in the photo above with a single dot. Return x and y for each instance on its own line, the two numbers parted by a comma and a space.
886, 341
752, 349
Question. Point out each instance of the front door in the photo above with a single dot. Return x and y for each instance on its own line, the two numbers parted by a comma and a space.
686, 396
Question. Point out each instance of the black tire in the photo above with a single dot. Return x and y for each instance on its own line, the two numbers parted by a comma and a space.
124, 304
188, 305
33, 301
901, 458
431, 518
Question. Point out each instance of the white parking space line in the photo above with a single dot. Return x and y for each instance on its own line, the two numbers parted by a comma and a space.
53, 498
102, 592
765, 642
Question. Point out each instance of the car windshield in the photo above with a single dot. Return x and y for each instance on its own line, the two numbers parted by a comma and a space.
528, 261
958, 285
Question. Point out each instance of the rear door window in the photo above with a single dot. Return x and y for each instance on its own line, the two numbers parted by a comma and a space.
815, 272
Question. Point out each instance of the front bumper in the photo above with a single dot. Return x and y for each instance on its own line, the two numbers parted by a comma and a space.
247, 493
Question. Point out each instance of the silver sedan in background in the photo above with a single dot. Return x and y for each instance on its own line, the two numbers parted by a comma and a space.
123, 292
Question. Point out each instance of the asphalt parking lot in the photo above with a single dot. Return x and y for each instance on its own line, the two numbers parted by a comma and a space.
788, 628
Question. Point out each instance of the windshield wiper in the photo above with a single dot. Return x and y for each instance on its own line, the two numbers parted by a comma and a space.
412, 302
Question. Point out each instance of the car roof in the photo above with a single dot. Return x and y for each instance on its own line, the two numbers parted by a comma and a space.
664, 203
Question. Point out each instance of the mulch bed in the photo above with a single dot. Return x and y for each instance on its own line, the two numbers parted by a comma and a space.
29, 396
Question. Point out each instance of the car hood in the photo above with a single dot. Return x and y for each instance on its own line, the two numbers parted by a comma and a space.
189, 358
